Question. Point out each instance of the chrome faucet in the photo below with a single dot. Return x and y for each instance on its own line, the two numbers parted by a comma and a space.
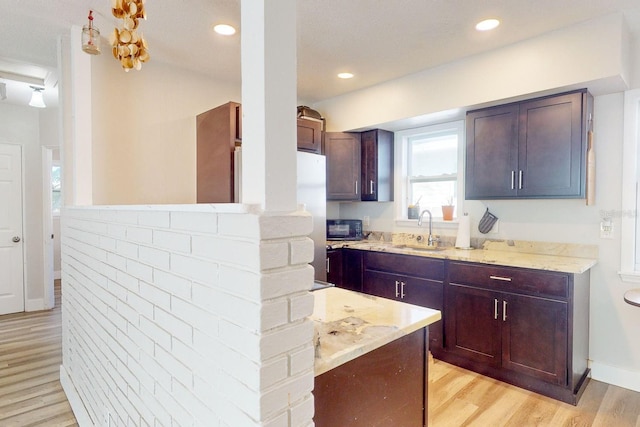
431, 240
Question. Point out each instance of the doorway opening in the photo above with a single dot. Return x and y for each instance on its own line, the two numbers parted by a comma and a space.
52, 203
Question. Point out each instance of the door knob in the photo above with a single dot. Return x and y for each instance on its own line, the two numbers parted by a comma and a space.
15, 239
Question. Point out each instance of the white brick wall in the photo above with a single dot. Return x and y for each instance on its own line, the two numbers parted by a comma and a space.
188, 315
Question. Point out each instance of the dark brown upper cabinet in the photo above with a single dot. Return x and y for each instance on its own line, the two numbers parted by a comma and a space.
310, 135
376, 151
342, 151
530, 149
359, 165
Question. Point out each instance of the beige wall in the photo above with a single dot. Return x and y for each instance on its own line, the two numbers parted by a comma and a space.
144, 136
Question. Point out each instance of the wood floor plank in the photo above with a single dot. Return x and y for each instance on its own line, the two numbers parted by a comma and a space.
24, 406
455, 413
33, 363
455, 393
535, 411
40, 416
584, 413
499, 408
619, 407
448, 386
29, 393
30, 359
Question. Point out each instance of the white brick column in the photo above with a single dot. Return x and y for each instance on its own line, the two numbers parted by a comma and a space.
187, 315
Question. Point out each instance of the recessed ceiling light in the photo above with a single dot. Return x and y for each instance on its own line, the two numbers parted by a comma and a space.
487, 24
345, 75
224, 29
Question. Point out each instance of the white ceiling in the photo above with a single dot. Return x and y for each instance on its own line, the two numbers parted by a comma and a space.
378, 40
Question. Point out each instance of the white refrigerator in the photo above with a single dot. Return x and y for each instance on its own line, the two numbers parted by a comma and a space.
312, 193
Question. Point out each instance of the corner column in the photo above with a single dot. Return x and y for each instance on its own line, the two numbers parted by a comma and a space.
268, 104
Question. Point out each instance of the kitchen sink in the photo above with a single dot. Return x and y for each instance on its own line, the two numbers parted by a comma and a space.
422, 248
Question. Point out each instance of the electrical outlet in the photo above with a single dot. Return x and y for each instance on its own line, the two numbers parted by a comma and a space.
365, 221
606, 228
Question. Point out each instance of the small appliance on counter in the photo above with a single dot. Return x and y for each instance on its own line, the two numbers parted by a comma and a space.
319, 284
344, 229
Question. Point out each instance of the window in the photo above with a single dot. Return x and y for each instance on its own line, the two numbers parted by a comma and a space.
431, 160
56, 196
629, 230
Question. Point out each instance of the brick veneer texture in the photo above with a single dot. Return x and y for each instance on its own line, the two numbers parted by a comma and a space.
188, 316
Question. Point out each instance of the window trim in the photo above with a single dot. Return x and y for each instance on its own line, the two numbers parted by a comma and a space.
628, 223
401, 167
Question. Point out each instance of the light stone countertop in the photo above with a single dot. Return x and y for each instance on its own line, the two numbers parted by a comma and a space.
632, 296
497, 254
349, 324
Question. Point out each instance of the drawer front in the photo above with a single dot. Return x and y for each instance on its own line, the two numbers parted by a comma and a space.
407, 265
531, 282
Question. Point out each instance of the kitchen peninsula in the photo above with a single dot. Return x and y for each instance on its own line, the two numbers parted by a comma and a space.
371, 360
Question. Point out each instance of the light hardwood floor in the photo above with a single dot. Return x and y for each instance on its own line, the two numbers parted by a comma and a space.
31, 395
458, 397
30, 359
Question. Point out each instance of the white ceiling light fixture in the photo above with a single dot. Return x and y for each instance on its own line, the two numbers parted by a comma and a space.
224, 29
487, 24
345, 75
37, 100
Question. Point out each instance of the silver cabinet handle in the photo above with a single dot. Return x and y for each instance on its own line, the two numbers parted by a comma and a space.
402, 294
371, 187
328, 265
513, 180
520, 179
397, 293
504, 311
15, 239
356, 187
504, 279
495, 309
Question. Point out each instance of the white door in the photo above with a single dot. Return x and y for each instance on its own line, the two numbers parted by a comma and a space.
11, 258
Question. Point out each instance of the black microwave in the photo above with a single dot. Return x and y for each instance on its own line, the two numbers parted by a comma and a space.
344, 229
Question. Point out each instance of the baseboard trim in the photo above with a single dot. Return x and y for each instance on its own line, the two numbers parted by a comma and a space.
34, 304
615, 376
79, 411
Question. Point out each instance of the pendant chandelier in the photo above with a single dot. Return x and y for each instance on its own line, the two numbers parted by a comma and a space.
129, 47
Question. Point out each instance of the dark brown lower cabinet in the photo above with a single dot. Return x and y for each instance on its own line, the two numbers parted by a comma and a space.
499, 329
409, 279
412, 290
385, 387
352, 269
541, 321
334, 267
526, 327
